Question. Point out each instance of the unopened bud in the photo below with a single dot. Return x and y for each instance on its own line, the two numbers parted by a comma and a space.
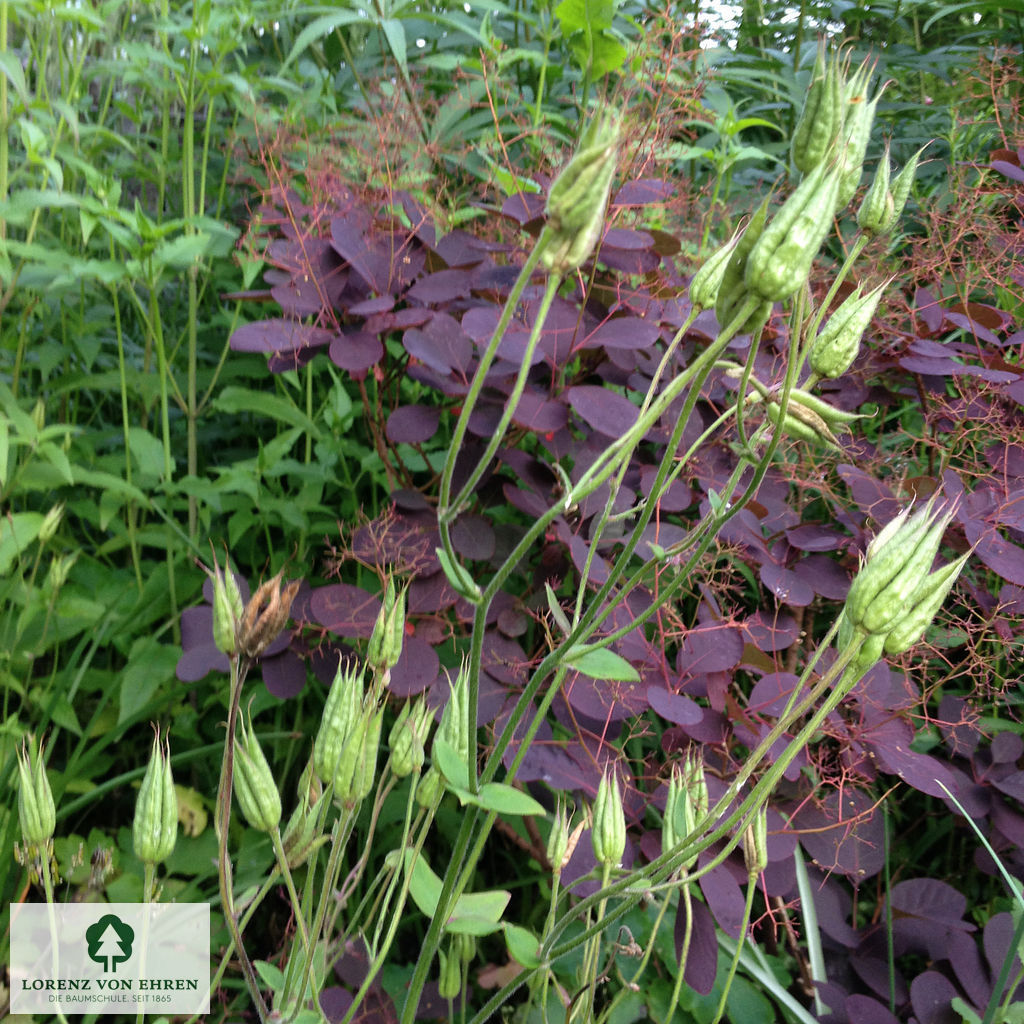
155, 829
608, 834
37, 814
450, 983
579, 195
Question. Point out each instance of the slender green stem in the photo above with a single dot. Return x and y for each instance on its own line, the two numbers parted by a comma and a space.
684, 953
744, 924
45, 852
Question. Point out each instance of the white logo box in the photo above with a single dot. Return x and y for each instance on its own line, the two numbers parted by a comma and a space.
110, 958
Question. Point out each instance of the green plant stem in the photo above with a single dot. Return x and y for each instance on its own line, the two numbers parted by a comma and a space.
222, 819
282, 864
684, 953
45, 853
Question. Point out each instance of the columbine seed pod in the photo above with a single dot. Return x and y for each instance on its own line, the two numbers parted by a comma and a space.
876, 210
408, 737
52, 520
455, 717
781, 260
910, 628
731, 289
892, 574
609, 830
835, 348
155, 829
803, 424
304, 832
901, 190
450, 983
255, 788
265, 615
707, 281
341, 710
356, 772
821, 118
860, 115
579, 195
37, 814
837, 419
674, 827
755, 843
385, 647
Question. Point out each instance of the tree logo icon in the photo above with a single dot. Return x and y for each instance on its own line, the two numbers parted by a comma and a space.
110, 941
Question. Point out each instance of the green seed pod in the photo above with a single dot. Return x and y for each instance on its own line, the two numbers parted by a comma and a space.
755, 843
781, 260
455, 717
304, 832
37, 814
155, 829
706, 282
408, 737
465, 946
341, 711
731, 289
821, 118
579, 195
901, 593
894, 570
803, 424
835, 418
608, 834
51, 521
696, 785
558, 840
860, 115
450, 983
910, 628
255, 788
876, 211
901, 190
835, 348
356, 771
870, 652
385, 646
430, 787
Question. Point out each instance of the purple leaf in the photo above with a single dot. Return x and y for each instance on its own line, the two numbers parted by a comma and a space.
284, 675
675, 708
412, 424
813, 537
606, 411
642, 192
786, 585
865, 1010
605, 700
523, 207
890, 742
825, 575
931, 996
623, 332
724, 898
278, 335
418, 667
473, 537
441, 344
345, 609
846, 837
356, 352
772, 632
710, 649
929, 309
996, 943
1002, 557
702, 958
442, 286
771, 693
540, 414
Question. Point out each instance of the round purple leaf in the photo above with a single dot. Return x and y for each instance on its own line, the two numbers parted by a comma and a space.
356, 352
412, 424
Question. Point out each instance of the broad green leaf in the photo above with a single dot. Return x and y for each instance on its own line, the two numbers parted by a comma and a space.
447, 761
394, 31
504, 799
584, 15
476, 913
56, 457
273, 977
147, 450
601, 663
150, 665
236, 399
493, 796
17, 531
523, 946
320, 27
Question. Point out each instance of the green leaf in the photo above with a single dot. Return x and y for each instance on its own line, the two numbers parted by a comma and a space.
447, 761
601, 663
523, 946
148, 451
273, 977
17, 531
150, 665
504, 799
476, 913
320, 27
493, 796
394, 31
234, 400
